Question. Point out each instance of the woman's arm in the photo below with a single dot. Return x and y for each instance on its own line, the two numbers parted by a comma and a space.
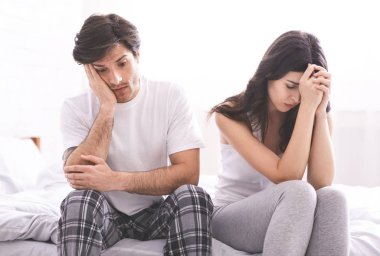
321, 168
292, 164
294, 160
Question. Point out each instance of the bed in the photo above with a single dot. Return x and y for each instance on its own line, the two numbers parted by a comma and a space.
30, 195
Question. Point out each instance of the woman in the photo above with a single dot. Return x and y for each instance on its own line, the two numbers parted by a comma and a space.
269, 134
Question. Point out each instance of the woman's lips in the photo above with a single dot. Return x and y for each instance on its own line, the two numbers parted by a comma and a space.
289, 105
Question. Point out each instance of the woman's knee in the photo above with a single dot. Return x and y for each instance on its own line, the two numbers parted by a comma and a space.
331, 192
333, 197
299, 192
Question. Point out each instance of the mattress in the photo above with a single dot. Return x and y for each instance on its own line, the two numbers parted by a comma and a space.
20, 211
124, 247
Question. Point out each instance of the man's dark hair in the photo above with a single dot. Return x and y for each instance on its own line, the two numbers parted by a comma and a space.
99, 33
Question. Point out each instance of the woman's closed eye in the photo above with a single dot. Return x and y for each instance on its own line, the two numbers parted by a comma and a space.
291, 86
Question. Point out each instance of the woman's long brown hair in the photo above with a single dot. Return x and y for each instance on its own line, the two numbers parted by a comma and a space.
292, 51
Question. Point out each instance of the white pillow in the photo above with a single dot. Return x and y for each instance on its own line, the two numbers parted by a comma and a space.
51, 175
20, 164
7, 186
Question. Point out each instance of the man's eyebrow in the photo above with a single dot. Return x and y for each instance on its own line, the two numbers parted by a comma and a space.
295, 83
119, 59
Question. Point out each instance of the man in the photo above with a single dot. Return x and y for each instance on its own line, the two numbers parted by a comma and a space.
118, 138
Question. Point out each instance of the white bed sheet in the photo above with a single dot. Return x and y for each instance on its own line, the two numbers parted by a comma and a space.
33, 215
18, 221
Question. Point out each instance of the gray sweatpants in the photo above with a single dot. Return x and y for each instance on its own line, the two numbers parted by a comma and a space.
290, 218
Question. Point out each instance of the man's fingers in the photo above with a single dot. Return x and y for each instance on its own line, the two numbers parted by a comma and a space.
78, 187
94, 73
76, 168
93, 159
74, 176
87, 69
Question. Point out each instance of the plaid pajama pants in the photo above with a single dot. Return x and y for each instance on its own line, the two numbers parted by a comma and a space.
89, 224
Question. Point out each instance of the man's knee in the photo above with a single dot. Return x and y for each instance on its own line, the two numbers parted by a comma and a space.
79, 198
193, 195
189, 189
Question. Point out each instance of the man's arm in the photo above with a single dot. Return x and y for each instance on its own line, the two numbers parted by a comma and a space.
98, 139
163, 181
184, 169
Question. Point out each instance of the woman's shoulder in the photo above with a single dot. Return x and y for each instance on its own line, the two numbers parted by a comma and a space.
224, 121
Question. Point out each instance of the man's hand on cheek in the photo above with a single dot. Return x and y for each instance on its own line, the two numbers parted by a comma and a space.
98, 86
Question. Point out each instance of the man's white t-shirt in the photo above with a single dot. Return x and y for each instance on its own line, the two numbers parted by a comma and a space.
158, 122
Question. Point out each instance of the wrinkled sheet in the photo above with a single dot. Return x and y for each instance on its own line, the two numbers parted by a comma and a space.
34, 215
31, 214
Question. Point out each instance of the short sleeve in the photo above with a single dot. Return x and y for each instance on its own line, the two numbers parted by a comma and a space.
183, 132
74, 126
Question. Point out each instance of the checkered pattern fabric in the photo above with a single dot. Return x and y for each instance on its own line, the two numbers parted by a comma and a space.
89, 224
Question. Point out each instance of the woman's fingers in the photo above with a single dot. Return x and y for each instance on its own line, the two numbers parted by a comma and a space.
322, 73
308, 72
323, 88
321, 76
322, 80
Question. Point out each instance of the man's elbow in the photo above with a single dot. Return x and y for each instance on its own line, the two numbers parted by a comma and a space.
72, 156
193, 176
75, 159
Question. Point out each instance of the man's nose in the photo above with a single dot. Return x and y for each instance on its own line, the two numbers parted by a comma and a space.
115, 78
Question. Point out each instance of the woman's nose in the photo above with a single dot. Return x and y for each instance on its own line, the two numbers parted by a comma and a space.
296, 98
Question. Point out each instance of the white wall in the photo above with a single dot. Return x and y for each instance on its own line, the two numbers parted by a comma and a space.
210, 47
36, 67
357, 147
213, 47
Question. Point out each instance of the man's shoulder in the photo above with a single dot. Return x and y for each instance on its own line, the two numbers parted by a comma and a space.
84, 95
81, 100
162, 85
